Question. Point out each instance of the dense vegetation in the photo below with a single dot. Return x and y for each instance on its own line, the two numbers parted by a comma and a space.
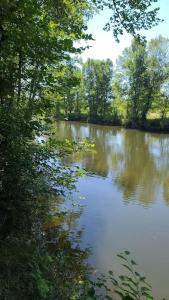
133, 93
40, 256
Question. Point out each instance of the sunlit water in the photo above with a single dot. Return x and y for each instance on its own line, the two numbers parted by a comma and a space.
126, 198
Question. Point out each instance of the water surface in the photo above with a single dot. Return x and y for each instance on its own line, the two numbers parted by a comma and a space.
126, 198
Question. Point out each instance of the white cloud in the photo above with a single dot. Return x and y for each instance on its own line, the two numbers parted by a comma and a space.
105, 46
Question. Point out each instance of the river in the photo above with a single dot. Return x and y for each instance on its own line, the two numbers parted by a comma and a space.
126, 198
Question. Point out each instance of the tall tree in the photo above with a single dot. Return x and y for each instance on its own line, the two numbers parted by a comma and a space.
98, 86
72, 89
142, 75
158, 61
37, 35
139, 83
135, 83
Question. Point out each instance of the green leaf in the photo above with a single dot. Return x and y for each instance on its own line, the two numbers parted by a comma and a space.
126, 252
122, 256
111, 272
91, 292
133, 262
109, 298
120, 294
128, 298
127, 267
137, 274
114, 281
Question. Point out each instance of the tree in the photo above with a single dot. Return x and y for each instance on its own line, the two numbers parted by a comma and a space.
129, 15
139, 84
158, 60
98, 86
71, 89
135, 81
37, 36
141, 77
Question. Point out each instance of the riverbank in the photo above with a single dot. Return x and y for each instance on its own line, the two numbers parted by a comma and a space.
151, 125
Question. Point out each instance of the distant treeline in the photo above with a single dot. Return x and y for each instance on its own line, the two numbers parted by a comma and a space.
133, 93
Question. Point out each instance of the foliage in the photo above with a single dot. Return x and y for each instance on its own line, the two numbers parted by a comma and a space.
158, 55
139, 88
129, 15
72, 89
46, 263
138, 85
133, 285
141, 79
98, 91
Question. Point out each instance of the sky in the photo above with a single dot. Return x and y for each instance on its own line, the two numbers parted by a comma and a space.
105, 45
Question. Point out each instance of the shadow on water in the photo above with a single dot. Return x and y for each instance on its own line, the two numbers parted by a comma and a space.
40, 254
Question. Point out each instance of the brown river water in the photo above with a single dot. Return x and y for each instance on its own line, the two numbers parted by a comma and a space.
126, 198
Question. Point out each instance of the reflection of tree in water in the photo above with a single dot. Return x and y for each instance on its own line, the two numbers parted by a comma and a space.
142, 172
139, 161
166, 190
100, 161
138, 177
97, 161
161, 144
